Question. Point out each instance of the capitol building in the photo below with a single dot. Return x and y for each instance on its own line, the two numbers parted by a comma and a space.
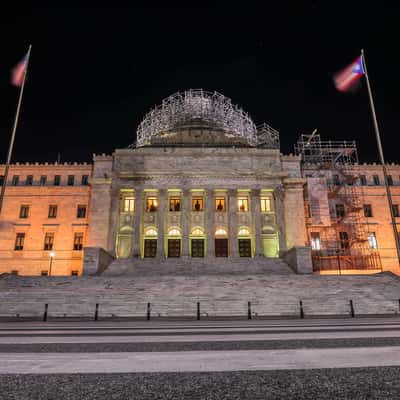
202, 181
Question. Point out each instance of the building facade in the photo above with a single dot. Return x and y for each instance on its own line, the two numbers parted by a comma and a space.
202, 181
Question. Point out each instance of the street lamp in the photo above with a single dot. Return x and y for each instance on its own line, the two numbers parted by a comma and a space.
52, 254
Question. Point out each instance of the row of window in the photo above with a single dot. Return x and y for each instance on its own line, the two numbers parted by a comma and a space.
49, 241
344, 241
43, 181
45, 272
197, 204
363, 180
367, 208
24, 211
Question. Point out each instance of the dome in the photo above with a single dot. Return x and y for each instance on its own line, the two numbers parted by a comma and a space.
198, 117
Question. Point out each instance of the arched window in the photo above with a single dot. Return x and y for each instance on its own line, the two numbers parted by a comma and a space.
150, 232
243, 232
221, 232
174, 232
197, 232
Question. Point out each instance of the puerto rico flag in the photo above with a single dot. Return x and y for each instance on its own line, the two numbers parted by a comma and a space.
19, 71
348, 77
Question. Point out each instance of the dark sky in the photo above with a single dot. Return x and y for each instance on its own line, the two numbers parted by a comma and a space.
95, 72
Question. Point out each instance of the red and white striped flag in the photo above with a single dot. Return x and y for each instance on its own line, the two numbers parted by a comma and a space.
19, 71
347, 78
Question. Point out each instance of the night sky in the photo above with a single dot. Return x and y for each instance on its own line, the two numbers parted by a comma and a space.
95, 72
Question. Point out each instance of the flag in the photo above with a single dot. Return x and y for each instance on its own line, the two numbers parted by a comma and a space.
347, 78
19, 71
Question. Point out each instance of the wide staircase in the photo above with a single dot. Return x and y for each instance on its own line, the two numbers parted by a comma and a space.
192, 295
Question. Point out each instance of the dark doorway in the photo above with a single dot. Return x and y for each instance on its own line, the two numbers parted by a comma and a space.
150, 247
174, 247
245, 247
221, 247
197, 247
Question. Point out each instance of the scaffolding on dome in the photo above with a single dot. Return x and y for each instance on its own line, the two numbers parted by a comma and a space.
197, 107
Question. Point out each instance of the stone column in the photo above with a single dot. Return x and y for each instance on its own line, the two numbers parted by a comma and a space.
137, 223
232, 217
186, 210
256, 211
293, 212
209, 204
114, 220
161, 216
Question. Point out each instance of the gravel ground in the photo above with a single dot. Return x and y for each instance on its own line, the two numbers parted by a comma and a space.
195, 346
354, 384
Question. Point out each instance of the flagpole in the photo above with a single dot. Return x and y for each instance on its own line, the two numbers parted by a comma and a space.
381, 157
11, 145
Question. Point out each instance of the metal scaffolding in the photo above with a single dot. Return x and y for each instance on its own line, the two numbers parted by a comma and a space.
197, 107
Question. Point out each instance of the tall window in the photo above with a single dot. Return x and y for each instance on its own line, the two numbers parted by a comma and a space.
363, 180
85, 180
81, 211
220, 203
24, 211
367, 210
70, 180
15, 180
373, 244
315, 241
78, 241
390, 180
344, 240
151, 204
129, 204
265, 203
340, 212
395, 208
48, 241
174, 204
376, 180
57, 180
335, 179
52, 211
43, 180
1, 180
243, 204
197, 204
19, 241
29, 180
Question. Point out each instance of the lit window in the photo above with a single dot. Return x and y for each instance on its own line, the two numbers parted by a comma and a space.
373, 244
52, 211
174, 232
174, 204
220, 203
43, 180
315, 241
70, 181
48, 241
243, 204
244, 232
24, 211
151, 232
367, 210
129, 204
19, 241
197, 232
81, 211
265, 204
151, 204
78, 241
197, 204
220, 232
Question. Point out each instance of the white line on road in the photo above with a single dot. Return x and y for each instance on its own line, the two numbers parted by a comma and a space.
193, 361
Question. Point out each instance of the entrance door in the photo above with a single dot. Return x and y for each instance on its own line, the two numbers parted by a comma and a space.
245, 247
150, 247
197, 247
174, 247
221, 247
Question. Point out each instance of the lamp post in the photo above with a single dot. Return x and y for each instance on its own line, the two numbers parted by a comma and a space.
52, 254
